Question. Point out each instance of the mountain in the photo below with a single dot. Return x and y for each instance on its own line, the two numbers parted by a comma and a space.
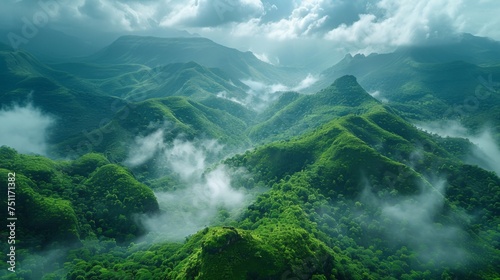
135, 82
465, 47
65, 202
75, 104
83, 102
298, 114
176, 116
454, 81
154, 52
366, 183
166, 172
355, 198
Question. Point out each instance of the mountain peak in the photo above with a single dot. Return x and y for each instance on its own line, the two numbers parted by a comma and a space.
345, 91
156, 51
345, 82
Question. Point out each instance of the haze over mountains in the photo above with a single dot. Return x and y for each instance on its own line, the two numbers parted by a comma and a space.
181, 158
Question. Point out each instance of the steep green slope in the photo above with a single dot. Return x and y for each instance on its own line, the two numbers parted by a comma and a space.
233, 108
177, 116
75, 104
154, 52
457, 81
137, 83
353, 191
283, 100
17, 66
353, 199
347, 176
84, 112
307, 112
225, 253
63, 202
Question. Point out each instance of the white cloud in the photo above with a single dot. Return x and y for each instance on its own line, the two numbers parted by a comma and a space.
260, 95
335, 27
487, 152
203, 13
390, 21
146, 148
203, 192
188, 159
113, 16
306, 82
25, 128
401, 23
187, 210
322, 30
264, 57
379, 96
305, 19
418, 214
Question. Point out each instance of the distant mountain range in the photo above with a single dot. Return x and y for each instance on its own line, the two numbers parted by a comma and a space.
421, 83
154, 52
335, 182
459, 80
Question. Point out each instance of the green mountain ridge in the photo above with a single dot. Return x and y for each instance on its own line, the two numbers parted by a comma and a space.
433, 87
341, 158
316, 221
336, 184
136, 82
84, 105
306, 112
63, 202
178, 115
75, 104
154, 52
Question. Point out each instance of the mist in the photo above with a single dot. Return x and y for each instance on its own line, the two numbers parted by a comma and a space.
260, 95
486, 152
415, 221
25, 128
379, 96
200, 192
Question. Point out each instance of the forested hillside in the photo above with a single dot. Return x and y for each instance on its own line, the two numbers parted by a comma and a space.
179, 158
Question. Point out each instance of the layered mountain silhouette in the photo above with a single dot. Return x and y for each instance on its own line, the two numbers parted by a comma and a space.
335, 182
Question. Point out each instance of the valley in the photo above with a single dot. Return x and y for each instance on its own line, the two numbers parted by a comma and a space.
180, 158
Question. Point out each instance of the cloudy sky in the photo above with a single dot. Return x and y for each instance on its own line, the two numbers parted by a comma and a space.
279, 31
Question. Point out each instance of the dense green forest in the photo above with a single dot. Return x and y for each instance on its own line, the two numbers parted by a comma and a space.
181, 167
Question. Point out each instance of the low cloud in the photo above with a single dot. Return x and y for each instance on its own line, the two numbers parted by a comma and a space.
320, 31
347, 25
260, 95
224, 95
200, 193
379, 96
486, 153
306, 83
265, 58
415, 223
146, 148
187, 210
25, 128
